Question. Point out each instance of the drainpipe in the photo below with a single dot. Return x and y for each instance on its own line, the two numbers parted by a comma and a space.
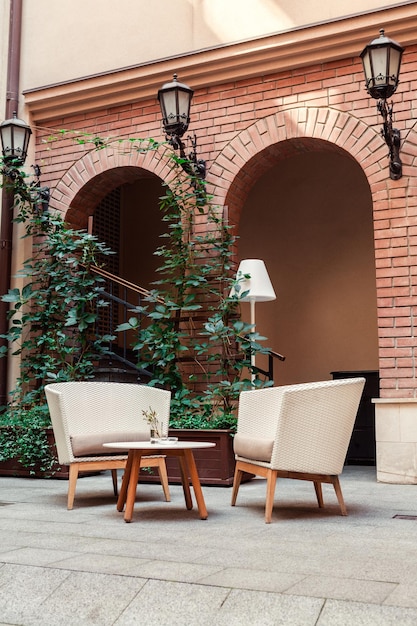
6, 225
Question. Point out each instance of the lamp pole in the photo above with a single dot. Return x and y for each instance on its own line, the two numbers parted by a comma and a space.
253, 324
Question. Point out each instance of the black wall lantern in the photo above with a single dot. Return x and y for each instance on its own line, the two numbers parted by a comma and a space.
381, 65
14, 135
175, 101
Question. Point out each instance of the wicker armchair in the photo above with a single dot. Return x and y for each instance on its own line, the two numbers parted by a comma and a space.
296, 431
85, 415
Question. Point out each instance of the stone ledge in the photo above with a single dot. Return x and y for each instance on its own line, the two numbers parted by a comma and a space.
396, 440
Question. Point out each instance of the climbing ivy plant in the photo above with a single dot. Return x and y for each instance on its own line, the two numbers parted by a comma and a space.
195, 340
193, 337
52, 320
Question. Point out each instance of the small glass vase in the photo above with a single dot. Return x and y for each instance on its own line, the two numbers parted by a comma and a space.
158, 435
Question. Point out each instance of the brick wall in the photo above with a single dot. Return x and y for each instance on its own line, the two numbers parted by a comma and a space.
245, 126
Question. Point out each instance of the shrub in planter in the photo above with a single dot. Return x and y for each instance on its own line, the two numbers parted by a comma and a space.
24, 440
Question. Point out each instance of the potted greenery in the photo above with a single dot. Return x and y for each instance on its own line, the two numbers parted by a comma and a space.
26, 443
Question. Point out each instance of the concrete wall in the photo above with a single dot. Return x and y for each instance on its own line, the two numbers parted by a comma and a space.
67, 39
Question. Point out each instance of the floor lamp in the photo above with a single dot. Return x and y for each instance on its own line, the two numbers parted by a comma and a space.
254, 279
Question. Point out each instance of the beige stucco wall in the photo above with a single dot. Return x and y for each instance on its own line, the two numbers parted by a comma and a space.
73, 38
310, 220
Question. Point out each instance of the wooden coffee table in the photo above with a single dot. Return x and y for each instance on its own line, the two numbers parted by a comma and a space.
183, 450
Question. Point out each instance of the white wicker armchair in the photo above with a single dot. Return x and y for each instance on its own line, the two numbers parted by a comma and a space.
85, 415
296, 431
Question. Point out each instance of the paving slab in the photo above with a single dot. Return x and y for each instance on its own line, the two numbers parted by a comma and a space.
310, 566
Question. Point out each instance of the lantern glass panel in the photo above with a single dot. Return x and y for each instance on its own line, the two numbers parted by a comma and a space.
184, 101
394, 65
6, 141
366, 60
169, 107
379, 66
19, 140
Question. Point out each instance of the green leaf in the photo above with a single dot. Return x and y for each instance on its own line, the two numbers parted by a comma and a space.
13, 295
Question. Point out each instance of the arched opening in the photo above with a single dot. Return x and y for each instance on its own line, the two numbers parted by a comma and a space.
309, 217
128, 219
121, 207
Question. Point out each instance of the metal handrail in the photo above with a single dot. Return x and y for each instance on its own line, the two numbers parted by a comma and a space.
125, 283
143, 293
270, 371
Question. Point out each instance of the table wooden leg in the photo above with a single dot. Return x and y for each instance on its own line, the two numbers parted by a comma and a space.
185, 480
121, 501
195, 481
132, 485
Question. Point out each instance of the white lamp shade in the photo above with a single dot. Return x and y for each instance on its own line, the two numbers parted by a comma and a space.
258, 285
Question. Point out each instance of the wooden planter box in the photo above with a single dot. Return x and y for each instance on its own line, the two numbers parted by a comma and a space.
215, 466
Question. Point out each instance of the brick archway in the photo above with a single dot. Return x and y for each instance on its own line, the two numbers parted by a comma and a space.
250, 154
95, 174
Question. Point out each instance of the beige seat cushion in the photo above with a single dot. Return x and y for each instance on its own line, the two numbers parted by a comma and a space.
92, 444
255, 448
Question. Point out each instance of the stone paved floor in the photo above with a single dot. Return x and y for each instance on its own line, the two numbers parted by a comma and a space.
309, 567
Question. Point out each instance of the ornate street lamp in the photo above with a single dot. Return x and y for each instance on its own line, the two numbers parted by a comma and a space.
175, 101
14, 138
381, 65
14, 135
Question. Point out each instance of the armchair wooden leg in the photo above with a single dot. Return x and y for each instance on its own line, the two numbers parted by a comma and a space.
338, 490
271, 479
319, 494
72, 482
114, 478
236, 482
